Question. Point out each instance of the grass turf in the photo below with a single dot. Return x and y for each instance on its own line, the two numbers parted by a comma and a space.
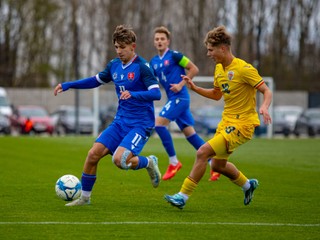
125, 206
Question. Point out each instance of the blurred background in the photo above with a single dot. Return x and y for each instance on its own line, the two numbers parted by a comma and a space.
44, 42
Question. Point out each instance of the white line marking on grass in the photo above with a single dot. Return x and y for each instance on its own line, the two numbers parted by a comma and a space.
163, 223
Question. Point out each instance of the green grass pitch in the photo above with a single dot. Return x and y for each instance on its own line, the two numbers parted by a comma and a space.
124, 205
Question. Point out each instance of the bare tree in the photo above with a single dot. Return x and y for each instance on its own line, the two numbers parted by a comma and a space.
280, 37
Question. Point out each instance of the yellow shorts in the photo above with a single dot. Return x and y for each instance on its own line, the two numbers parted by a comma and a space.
229, 136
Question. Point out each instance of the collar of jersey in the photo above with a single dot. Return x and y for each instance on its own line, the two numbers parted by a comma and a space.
161, 57
129, 63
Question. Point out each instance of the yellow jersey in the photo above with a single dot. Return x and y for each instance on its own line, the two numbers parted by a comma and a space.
238, 83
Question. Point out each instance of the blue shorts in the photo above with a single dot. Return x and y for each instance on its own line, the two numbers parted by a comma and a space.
178, 110
118, 134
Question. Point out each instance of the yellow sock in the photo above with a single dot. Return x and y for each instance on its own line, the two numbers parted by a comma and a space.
241, 180
188, 186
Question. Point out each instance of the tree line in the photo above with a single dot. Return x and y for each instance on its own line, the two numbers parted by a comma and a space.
43, 42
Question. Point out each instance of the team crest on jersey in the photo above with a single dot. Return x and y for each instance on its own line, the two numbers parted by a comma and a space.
230, 75
166, 62
131, 76
115, 75
155, 66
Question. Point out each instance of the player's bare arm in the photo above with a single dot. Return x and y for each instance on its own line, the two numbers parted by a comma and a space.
205, 92
267, 98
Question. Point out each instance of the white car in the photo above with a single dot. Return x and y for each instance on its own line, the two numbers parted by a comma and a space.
5, 107
285, 119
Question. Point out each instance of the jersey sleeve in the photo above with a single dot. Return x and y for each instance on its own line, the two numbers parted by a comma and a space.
251, 76
105, 76
180, 59
148, 76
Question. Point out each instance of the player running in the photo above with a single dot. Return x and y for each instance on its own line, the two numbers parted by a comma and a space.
169, 65
136, 88
238, 82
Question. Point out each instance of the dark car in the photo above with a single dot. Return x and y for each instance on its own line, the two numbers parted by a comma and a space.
5, 125
39, 116
65, 120
285, 118
308, 122
206, 119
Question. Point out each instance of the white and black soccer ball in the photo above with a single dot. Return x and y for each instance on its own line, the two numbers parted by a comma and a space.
68, 187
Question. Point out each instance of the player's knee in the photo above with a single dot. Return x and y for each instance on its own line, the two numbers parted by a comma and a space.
202, 153
116, 160
120, 159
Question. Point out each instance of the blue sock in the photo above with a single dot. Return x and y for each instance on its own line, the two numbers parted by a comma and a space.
88, 181
143, 162
196, 141
166, 139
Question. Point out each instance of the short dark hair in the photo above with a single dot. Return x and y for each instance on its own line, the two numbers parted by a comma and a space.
164, 30
218, 36
124, 34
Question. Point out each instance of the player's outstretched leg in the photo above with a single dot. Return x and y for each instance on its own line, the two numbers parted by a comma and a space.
153, 171
248, 194
79, 202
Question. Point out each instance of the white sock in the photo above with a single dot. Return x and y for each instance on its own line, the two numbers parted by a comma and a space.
185, 196
246, 186
173, 160
86, 194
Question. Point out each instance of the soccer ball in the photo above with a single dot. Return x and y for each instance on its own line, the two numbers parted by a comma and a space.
68, 187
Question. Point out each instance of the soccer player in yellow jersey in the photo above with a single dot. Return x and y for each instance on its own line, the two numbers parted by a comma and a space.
237, 81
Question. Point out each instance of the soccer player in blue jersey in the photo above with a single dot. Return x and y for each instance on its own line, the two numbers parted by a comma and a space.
169, 65
136, 88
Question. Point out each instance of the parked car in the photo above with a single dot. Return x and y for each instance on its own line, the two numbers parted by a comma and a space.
64, 119
5, 124
285, 119
41, 121
308, 122
206, 119
5, 107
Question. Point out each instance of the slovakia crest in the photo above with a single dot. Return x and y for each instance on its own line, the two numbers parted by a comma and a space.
131, 76
115, 75
166, 62
230, 75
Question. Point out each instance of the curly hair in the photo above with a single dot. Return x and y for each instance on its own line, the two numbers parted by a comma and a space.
124, 34
164, 30
217, 36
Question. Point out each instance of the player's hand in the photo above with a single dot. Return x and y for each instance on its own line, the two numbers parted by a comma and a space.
189, 82
58, 89
125, 95
175, 88
266, 115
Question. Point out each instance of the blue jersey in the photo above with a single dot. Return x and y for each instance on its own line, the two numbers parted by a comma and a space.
168, 71
135, 76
